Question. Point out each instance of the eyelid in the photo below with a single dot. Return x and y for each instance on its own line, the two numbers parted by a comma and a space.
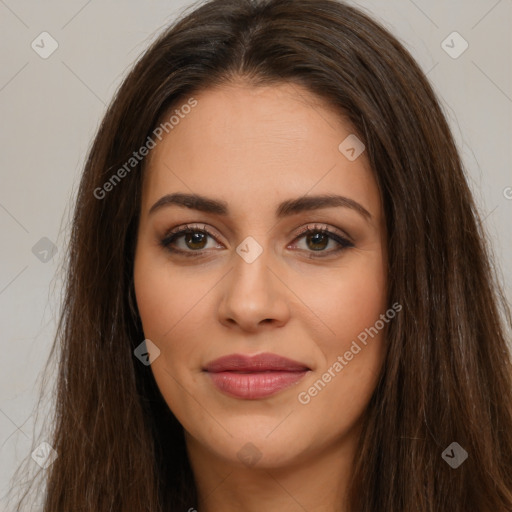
302, 230
341, 238
180, 230
323, 228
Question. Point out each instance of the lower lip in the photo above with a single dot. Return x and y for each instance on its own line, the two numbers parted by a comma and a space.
255, 385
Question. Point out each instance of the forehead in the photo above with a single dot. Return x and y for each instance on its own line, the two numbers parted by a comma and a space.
251, 145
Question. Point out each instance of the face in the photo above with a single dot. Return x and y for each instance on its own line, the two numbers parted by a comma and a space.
292, 288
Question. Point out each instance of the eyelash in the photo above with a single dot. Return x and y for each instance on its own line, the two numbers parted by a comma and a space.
172, 236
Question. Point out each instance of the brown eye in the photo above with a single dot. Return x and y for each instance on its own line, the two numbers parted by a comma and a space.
195, 240
318, 239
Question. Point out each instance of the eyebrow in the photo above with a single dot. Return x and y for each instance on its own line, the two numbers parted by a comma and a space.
285, 209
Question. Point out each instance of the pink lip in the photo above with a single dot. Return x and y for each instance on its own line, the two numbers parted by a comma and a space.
254, 377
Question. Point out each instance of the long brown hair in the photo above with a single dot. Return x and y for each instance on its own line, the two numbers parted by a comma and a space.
447, 372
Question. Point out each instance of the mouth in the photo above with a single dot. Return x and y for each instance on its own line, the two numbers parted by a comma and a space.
254, 377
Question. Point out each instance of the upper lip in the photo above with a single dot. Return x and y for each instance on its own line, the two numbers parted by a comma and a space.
257, 363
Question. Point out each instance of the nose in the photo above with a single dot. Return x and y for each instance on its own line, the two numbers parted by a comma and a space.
254, 298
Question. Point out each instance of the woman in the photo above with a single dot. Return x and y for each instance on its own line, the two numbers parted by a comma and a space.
279, 295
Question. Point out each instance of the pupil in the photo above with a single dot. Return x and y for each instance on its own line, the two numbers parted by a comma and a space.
199, 237
318, 240
315, 240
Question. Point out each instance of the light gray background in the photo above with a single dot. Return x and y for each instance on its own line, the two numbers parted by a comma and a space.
50, 109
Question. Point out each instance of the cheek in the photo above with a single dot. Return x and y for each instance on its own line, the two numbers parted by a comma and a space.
362, 298
172, 309
350, 307
163, 298
350, 302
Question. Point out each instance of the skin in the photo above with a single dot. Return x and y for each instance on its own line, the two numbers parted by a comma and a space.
254, 147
